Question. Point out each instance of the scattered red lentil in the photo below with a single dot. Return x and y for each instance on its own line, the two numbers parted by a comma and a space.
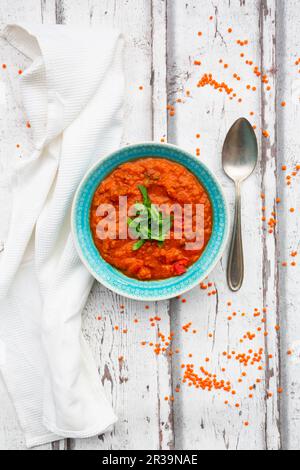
187, 327
208, 383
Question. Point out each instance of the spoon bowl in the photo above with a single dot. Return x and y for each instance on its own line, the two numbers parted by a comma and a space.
240, 151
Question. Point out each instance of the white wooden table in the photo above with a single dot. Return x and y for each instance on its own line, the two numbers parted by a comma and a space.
162, 45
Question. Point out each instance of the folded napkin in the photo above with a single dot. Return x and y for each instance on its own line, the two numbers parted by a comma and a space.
72, 94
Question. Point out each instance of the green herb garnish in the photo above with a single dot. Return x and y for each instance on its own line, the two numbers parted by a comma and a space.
150, 223
138, 245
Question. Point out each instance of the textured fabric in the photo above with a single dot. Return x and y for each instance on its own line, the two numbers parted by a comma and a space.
72, 93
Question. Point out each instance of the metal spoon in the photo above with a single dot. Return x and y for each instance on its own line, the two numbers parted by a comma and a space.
240, 154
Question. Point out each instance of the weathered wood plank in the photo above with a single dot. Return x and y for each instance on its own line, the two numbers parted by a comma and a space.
288, 46
160, 133
205, 110
270, 241
138, 383
13, 132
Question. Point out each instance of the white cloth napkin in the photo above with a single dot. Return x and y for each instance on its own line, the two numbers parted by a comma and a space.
72, 93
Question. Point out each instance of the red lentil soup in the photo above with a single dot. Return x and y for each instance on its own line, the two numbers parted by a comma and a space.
167, 183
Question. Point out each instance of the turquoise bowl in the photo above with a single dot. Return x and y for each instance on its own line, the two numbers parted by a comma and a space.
110, 276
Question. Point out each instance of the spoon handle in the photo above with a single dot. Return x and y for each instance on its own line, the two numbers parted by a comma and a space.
235, 271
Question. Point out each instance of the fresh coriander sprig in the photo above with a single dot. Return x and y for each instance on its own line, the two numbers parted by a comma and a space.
150, 224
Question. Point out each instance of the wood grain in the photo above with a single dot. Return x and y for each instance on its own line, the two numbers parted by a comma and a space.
211, 114
162, 44
268, 31
288, 78
12, 132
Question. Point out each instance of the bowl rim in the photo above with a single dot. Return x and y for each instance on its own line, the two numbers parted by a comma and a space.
115, 289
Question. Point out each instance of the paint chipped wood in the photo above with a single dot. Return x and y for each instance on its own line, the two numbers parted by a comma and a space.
270, 278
